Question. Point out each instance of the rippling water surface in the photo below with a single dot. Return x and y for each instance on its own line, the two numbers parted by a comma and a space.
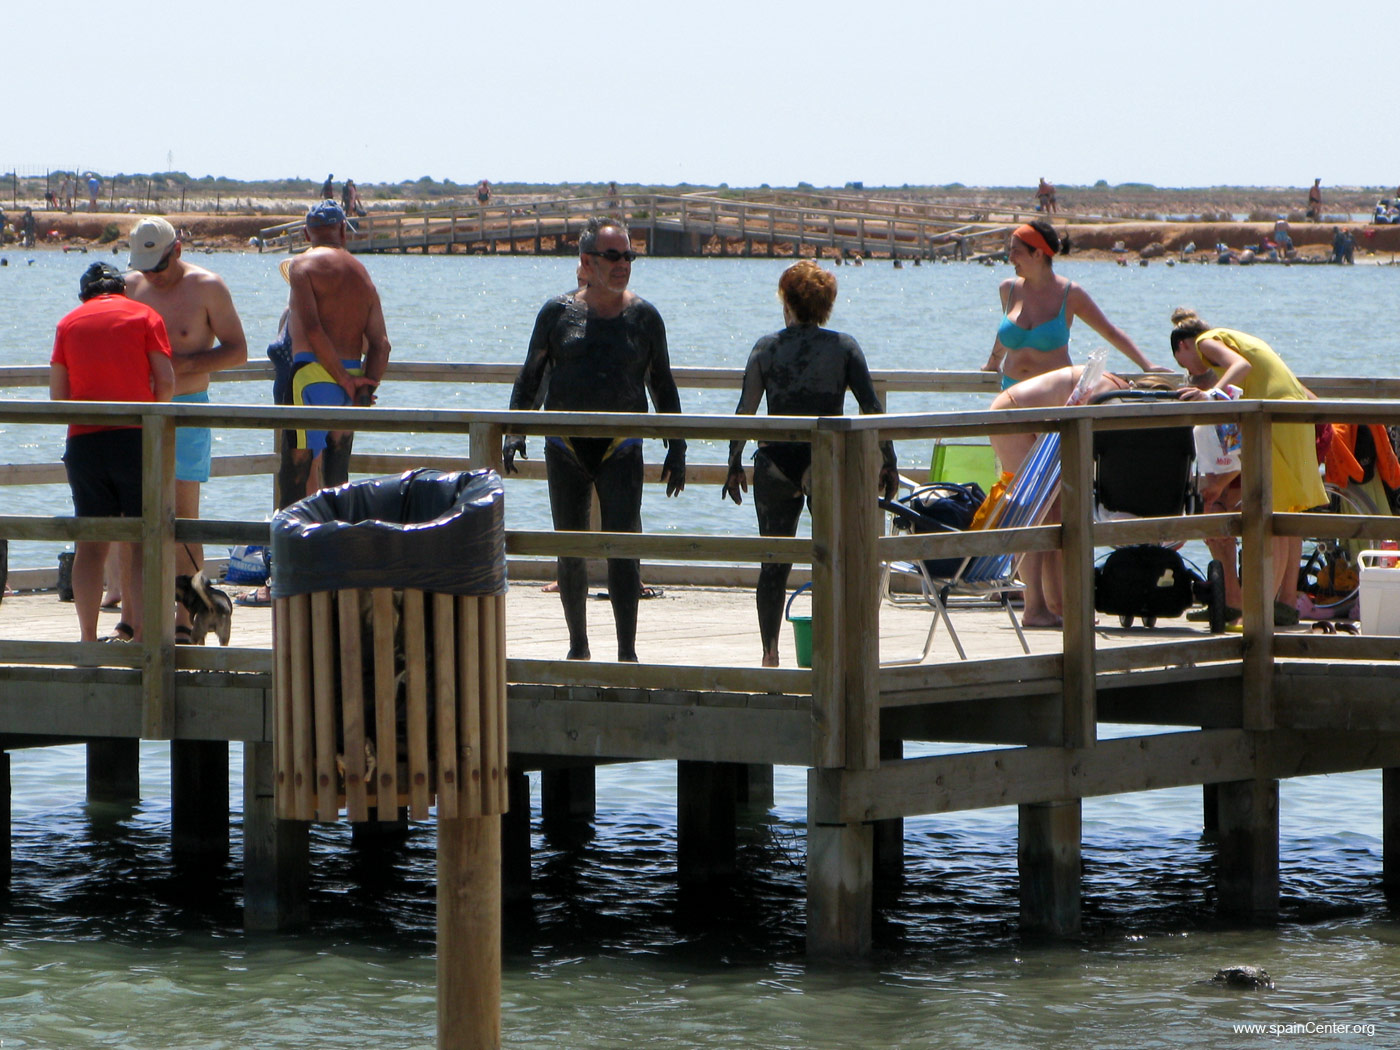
107, 943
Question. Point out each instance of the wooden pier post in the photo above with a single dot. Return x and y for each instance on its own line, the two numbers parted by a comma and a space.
889, 834
114, 770
199, 810
1390, 833
1048, 840
469, 933
6, 800
845, 670
706, 838
568, 798
515, 840
755, 786
276, 853
1248, 850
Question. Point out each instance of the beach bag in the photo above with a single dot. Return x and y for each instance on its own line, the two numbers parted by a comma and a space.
1144, 580
949, 505
247, 564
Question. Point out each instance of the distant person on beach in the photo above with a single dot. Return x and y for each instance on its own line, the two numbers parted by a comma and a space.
26, 228
206, 336
803, 370
1045, 197
1315, 201
340, 348
328, 188
108, 349
1343, 246
94, 185
65, 193
1283, 237
483, 192
602, 349
350, 199
1242, 360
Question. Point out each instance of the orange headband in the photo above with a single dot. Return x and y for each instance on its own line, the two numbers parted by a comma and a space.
1033, 238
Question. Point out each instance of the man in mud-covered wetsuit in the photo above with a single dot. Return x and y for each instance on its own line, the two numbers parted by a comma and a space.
602, 348
804, 370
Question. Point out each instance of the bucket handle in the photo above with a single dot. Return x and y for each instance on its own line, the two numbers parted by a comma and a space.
787, 612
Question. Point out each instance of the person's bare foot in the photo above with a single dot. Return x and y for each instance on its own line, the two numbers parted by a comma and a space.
627, 657
770, 660
579, 654
550, 588
1041, 619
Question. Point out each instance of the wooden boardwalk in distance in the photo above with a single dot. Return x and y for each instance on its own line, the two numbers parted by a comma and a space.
1234, 713
687, 224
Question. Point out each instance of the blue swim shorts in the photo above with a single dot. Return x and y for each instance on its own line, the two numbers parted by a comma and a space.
313, 385
194, 446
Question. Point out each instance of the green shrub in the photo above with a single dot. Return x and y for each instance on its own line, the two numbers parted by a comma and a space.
110, 233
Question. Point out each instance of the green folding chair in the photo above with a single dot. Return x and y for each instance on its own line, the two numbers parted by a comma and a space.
962, 461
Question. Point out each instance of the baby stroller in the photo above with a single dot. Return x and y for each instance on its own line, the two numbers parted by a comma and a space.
1149, 473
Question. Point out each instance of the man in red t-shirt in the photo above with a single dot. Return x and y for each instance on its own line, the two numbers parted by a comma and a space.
108, 349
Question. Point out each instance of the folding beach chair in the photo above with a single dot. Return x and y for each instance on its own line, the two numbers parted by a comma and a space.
964, 462
1025, 502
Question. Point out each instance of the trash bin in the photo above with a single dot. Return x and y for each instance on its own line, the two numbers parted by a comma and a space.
389, 648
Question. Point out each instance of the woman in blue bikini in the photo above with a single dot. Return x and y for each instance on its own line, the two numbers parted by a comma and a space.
1038, 308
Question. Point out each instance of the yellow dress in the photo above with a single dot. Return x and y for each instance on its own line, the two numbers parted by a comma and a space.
1297, 483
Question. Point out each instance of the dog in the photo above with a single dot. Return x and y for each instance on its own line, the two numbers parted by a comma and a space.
210, 609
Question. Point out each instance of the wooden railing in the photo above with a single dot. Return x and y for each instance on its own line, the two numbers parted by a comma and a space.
910, 229
847, 683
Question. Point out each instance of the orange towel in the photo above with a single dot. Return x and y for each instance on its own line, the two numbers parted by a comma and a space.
1342, 466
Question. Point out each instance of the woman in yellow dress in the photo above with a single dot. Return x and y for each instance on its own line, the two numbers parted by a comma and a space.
1252, 365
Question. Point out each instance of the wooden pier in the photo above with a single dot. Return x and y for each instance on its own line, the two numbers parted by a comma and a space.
685, 224
1235, 712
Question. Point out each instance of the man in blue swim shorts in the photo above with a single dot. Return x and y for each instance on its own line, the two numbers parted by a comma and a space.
340, 349
206, 336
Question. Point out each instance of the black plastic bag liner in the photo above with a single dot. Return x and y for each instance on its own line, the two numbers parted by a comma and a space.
424, 529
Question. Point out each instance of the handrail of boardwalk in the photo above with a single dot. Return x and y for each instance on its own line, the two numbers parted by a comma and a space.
846, 683
914, 229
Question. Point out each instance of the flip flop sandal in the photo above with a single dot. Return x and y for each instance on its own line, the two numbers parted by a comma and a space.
257, 598
1346, 627
1323, 627
122, 632
652, 592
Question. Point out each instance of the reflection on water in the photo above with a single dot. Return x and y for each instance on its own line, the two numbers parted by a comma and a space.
107, 942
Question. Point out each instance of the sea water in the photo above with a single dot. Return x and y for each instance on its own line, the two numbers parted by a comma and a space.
106, 942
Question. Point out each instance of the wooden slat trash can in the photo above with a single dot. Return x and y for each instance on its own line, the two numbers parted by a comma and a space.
389, 643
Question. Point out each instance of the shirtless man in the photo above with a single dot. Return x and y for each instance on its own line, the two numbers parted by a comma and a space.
340, 349
205, 336
603, 348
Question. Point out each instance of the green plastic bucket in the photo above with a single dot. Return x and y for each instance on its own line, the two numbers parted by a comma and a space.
801, 630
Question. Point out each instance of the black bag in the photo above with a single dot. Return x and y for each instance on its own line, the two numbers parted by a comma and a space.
1145, 580
942, 507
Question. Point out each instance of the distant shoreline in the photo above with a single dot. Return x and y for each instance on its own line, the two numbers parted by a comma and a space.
58, 230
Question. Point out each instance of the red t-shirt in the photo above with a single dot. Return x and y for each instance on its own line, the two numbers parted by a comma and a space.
104, 344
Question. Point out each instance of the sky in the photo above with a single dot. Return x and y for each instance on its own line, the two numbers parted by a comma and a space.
1172, 93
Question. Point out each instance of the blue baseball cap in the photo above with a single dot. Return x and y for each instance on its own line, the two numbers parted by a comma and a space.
325, 213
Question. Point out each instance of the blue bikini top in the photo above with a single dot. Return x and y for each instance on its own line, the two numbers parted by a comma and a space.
1051, 335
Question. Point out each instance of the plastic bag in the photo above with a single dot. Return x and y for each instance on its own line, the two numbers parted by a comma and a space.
247, 564
424, 529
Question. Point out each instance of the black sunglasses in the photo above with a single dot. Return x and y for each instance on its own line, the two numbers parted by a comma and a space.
164, 263
613, 255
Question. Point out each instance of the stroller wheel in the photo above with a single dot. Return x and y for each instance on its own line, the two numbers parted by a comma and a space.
1149, 622
1125, 620
1215, 600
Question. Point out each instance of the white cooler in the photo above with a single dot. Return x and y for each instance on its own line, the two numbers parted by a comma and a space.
1380, 591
